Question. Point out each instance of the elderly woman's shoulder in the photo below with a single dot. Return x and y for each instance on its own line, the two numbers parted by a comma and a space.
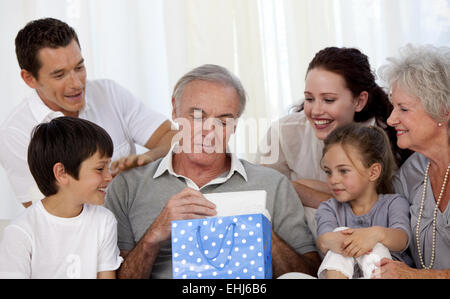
411, 173
415, 163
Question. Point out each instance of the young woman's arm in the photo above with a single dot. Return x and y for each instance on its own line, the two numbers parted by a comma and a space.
310, 195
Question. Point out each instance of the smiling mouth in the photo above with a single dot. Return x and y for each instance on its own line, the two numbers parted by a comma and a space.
102, 189
322, 123
401, 132
74, 97
203, 148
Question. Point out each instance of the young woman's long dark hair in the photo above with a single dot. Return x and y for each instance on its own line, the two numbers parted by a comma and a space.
354, 67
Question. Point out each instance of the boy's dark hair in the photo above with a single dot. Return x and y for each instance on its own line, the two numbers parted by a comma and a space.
65, 140
39, 34
373, 145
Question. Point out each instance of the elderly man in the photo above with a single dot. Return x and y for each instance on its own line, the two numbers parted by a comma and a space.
207, 102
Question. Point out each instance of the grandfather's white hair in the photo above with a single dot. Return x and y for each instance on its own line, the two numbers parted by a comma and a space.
212, 73
424, 72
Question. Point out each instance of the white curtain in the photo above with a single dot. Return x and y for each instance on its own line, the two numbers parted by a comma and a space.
146, 45
269, 43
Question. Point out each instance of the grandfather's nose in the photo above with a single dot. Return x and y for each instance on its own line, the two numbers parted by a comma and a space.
209, 126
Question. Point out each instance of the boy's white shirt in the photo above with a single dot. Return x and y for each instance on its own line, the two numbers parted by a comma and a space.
40, 245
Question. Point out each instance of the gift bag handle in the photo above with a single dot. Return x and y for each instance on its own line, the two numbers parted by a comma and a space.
202, 251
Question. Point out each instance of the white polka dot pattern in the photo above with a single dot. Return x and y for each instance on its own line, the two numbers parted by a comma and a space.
230, 247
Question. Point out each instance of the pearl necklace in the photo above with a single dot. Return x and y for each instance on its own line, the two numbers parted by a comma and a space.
433, 247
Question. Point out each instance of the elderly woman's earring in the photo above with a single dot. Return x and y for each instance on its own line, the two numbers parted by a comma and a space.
439, 125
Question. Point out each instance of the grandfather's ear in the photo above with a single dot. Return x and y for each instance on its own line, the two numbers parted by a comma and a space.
174, 109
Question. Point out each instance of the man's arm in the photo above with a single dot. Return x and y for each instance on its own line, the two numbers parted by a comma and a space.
106, 275
310, 197
138, 263
158, 144
285, 259
13, 158
27, 204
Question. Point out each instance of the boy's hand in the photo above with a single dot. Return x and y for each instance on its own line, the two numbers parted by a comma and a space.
360, 241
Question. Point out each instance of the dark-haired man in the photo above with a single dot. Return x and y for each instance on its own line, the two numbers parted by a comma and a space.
49, 55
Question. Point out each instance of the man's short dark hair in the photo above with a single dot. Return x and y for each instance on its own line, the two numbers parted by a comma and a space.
39, 34
65, 140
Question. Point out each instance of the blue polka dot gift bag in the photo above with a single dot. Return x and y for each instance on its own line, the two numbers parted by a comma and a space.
229, 247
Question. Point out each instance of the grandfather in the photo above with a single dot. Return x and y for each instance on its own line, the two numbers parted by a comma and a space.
145, 200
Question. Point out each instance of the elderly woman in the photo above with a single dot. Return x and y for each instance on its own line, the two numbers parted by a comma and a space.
420, 84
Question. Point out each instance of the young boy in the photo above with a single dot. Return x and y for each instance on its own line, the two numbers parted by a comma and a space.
67, 234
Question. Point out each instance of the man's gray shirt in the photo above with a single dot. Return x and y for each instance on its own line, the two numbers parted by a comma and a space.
137, 198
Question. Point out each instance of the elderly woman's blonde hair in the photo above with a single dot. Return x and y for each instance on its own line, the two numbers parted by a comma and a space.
423, 72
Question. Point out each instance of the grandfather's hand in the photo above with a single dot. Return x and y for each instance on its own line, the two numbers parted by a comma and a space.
129, 162
188, 204
389, 269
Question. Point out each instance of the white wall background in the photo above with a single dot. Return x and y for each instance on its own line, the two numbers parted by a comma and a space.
146, 45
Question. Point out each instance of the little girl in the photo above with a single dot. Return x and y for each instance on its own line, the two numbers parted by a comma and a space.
363, 222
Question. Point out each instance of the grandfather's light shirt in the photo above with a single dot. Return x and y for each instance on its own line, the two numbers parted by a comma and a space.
409, 182
167, 165
138, 196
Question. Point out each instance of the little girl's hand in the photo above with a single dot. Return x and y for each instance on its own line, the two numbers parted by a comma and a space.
359, 241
